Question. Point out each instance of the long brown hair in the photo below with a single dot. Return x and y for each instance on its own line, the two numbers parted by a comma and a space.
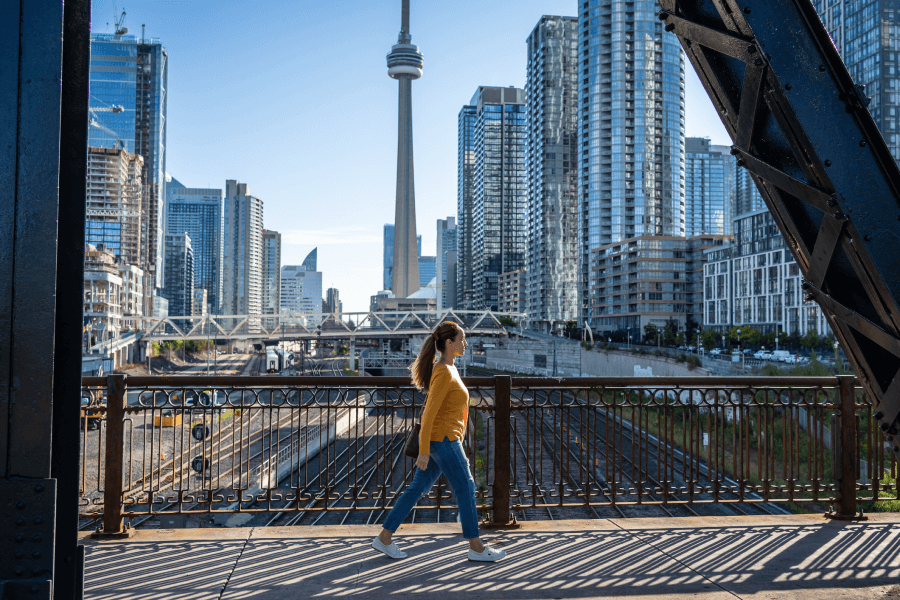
436, 342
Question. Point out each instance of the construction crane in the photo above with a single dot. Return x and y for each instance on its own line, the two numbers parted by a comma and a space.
119, 20
94, 119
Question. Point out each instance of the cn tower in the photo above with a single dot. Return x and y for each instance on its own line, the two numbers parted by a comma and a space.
405, 64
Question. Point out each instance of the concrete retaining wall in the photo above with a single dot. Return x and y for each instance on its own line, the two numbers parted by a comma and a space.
533, 357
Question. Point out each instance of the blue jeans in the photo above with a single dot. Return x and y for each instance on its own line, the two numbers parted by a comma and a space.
445, 457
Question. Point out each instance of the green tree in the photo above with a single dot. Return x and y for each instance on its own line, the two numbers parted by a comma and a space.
708, 338
753, 336
691, 329
650, 333
670, 333
508, 321
810, 340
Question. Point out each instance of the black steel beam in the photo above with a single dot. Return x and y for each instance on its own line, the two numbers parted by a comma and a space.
801, 127
44, 61
68, 581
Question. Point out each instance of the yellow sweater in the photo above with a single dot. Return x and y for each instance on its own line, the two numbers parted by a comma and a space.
446, 409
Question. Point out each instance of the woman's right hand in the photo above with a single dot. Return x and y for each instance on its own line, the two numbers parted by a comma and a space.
422, 462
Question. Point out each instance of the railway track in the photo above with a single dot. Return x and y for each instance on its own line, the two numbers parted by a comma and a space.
560, 448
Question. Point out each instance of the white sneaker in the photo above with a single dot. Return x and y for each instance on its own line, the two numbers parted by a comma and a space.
392, 551
488, 555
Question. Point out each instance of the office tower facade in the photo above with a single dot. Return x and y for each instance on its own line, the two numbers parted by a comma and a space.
102, 293
333, 301
513, 291
445, 263
427, 270
631, 94
388, 254
199, 212
650, 280
405, 65
710, 188
497, 215
387, 263
128, 109
747, 196
755, 282
200, 302
301, 292
271, 272
242, 251
114, 199
866, 34
179, 288
551, 159
311, 262
465, 202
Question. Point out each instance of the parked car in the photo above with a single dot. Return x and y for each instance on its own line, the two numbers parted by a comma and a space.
715, 352
763, 355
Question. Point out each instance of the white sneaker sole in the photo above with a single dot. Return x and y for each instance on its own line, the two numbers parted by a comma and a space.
494, 556
379, 545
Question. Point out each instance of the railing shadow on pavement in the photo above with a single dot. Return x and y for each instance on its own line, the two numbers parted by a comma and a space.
644, 561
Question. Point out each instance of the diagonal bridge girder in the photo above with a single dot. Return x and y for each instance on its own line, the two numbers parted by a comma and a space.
803, 131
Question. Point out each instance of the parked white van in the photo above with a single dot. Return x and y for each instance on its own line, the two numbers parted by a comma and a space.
780, 355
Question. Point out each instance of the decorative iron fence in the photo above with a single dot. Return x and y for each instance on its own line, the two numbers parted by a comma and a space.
308, 445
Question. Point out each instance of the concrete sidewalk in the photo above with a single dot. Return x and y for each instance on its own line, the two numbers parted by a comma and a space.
713, 558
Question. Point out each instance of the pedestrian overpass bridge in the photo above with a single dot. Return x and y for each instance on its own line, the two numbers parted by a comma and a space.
321, 326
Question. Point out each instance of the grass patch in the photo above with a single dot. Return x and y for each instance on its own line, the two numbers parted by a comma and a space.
889, 505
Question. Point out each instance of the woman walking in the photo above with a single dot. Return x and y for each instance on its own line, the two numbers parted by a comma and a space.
440, 442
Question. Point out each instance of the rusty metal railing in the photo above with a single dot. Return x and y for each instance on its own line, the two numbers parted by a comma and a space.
315, 446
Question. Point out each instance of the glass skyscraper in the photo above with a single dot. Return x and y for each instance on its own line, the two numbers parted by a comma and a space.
465, 198
127, 109
551, 158
427, 270
498, 197
271, 272
866, 34
747, 196
710, 188
631, 79
388, 256
445, 263
179, 283
199, 212
242, 250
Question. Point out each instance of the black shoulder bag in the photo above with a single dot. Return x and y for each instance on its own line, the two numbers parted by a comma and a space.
411, 447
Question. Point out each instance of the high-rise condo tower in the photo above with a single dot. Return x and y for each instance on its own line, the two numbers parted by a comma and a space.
405, 64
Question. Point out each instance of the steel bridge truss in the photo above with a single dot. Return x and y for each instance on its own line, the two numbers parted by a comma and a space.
300, 326
802, 129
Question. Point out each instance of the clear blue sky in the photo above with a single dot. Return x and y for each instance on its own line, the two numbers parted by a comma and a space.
293, 98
